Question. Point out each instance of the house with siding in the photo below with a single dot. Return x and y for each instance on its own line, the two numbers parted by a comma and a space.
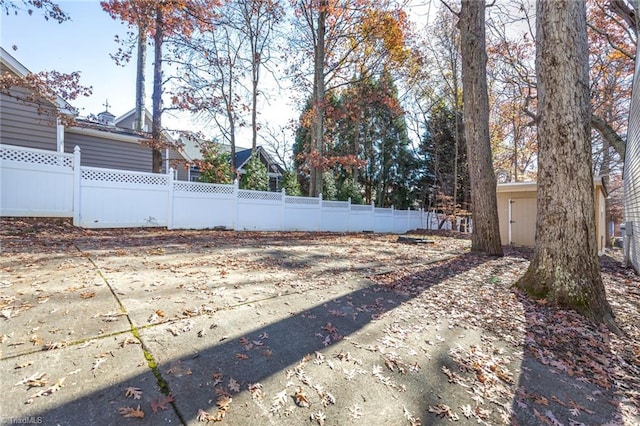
26, 120
191, 150
104, 140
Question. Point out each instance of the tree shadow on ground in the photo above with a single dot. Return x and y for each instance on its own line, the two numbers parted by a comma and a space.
570, 369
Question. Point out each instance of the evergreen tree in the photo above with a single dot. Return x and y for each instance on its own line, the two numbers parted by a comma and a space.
290, 183
438, 155
256, 176
215, 167
329, 190
350, 189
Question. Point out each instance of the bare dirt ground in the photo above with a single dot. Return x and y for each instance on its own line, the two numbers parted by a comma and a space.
149, 326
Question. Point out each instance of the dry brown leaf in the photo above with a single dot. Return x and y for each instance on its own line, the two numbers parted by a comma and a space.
131, 392
224, 402
255, 390
203, 416
131, 412
443, 410
217, 378
46, 392
300, 398
161, 403
234, 386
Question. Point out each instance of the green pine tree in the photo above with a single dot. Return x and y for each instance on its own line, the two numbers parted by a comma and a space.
255, 176
290, 183
329, 190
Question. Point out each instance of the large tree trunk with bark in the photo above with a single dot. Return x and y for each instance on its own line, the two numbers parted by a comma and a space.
156, 97
486, 231
565, 268
140, 77
317, 131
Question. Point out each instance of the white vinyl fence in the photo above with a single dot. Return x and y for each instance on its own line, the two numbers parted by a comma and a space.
46, 183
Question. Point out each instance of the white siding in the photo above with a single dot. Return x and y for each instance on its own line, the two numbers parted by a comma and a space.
632, 174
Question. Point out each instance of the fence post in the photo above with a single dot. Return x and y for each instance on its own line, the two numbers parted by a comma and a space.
320, 211
408, 219
284, 209
393, 219
373, 217
235, 204
349, 214
170, 198
77, 176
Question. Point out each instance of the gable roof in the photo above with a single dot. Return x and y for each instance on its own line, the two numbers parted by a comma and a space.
242, 157
131, 113
17, 68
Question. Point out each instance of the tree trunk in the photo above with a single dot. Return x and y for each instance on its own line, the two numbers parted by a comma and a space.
317, 132
255, 79
565, 268
140, 77
156, 98
486, 232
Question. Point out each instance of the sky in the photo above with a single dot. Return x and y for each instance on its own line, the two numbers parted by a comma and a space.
84, 44
81, 44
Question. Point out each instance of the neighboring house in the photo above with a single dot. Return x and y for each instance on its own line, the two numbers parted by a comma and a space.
104, 140
110, 142
191, 149
517, 211
25, 123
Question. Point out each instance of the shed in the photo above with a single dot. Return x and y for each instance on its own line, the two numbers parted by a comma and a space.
517, 210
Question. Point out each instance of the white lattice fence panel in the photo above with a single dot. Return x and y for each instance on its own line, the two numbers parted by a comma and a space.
303, 201
335, 204
245, 194
35, 156
203, 188
116, 176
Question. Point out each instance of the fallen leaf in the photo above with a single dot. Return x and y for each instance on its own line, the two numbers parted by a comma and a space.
131, 412
319, 417
300, 398
217, 378
161, 403
87, 294
132, 392
46, 392
233, 385
203, 416
255, 390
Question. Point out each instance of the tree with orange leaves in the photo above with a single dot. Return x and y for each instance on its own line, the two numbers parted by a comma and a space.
348, 41
162, 20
